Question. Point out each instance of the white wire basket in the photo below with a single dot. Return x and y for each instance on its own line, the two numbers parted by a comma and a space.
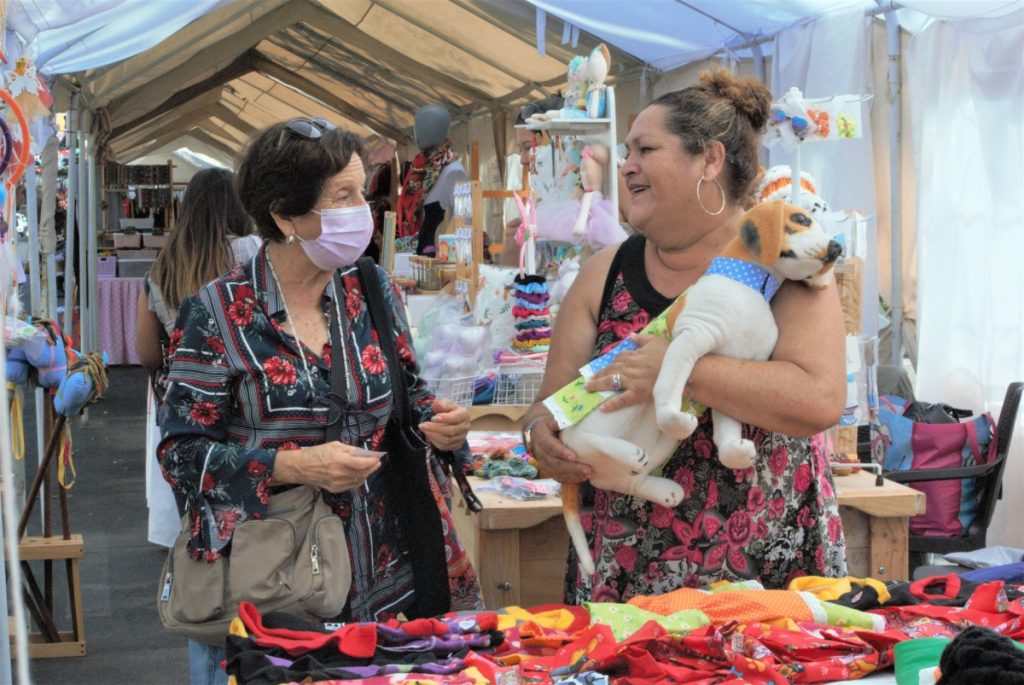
458, 390
517, 385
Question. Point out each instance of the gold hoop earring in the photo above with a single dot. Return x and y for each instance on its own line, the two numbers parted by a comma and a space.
701, 201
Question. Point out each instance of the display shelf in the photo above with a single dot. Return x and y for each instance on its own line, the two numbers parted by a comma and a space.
133, 186
115, 181
570, 127
603, 128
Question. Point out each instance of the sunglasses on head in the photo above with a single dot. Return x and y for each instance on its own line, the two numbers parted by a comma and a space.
310, 129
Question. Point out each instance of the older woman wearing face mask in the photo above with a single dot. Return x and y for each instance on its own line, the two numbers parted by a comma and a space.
251, 367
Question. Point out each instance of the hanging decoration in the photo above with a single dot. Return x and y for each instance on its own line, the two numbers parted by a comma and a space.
530, 311
28, 89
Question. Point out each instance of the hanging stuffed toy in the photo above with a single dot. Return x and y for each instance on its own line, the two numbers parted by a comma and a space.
530, 310
588, 218
776, 184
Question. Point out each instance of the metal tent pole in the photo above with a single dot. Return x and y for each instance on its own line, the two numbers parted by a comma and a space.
93, 260
892, 30
11, 540
84, 206
34, 283
69, 231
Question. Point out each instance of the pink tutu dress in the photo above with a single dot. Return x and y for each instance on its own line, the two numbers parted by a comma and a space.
555, 220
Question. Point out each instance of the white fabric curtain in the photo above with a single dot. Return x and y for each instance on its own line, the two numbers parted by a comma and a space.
966, 85
832, 56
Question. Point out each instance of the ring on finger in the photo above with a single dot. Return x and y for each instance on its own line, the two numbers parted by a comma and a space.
616, 382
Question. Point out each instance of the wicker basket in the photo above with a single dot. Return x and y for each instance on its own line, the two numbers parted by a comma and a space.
849, 278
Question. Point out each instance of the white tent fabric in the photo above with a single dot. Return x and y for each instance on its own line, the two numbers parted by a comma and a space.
74, 35
670, 33
832, 56
967, 100
367, 65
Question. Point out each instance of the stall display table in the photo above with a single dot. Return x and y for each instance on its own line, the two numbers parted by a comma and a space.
519, 548
117, 312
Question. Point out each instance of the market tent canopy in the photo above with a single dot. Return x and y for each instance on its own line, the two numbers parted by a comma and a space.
369, 65
151, 72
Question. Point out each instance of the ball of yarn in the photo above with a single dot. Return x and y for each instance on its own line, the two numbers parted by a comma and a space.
508, 467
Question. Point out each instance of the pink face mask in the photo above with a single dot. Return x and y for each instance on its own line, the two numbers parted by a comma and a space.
344, 235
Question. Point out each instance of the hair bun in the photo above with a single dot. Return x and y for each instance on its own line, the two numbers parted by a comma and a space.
749, 96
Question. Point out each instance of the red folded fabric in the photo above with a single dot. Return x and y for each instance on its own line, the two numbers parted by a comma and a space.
950, 585
355, 639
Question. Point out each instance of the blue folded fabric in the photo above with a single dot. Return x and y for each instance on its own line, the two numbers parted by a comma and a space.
1009, 573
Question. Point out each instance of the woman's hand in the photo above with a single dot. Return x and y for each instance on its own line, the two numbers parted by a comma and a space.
449, 427
636, 372
333, 466
554, 458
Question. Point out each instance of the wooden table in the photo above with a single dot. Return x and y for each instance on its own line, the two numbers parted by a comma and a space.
876, 524
519, 548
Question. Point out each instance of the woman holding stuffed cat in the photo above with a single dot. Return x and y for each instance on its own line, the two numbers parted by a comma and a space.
692, 160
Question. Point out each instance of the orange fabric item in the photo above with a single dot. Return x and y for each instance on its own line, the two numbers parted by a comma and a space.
744, 606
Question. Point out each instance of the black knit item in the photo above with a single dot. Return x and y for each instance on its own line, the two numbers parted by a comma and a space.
979, 655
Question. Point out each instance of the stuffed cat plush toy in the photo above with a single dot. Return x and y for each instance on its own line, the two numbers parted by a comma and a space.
727, 312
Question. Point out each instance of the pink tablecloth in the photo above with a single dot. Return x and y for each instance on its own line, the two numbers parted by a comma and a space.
118, 303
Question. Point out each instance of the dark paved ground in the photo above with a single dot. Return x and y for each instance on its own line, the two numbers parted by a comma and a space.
125, 642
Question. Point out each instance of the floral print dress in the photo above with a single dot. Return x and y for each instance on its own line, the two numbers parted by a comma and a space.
238, 394
773, 522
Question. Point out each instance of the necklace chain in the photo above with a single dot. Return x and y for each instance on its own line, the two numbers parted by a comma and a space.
295, 331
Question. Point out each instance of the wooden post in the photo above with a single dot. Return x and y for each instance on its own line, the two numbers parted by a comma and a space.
169, 219
387, 248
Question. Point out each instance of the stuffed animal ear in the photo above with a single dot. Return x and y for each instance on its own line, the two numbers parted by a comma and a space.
761, 231
599, 64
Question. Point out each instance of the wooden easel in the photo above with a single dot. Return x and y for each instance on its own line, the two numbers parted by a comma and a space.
50, 641
474, 175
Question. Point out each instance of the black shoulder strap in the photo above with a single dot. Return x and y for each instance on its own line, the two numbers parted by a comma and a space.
381, 318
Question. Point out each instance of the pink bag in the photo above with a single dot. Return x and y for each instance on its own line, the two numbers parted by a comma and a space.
952, 505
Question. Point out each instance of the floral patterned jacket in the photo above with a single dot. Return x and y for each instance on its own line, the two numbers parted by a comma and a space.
238, 393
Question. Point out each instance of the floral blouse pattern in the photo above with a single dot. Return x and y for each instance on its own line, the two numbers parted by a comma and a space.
238, 394
773, 522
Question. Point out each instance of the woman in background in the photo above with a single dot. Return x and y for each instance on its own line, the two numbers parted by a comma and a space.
211, 235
